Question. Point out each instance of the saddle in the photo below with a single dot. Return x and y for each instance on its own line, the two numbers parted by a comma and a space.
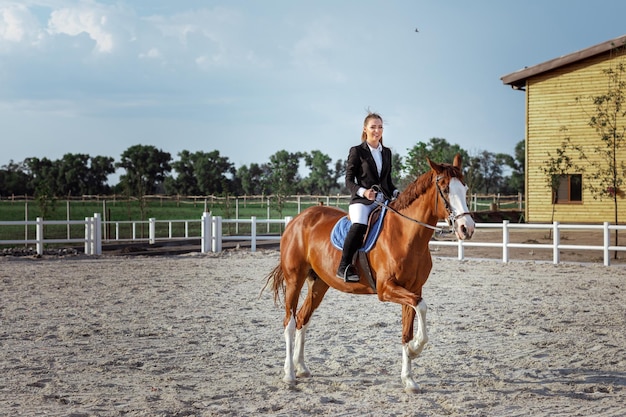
374, 227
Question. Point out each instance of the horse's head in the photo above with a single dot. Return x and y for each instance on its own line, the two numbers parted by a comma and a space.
452, 194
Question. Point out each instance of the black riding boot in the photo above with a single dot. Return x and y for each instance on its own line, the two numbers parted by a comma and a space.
354, 240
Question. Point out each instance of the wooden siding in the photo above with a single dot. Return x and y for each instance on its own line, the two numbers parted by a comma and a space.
553, 115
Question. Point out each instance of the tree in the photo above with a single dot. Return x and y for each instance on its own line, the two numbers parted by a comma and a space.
339, 174
473, 175
283, 176
14, 180
100, 167
185, 182
146, 168
397, 168
251, 179
555, 169
516, 182
488, 168
321, 179
43, 174
437, 149
80, 174
201, 173
210, 170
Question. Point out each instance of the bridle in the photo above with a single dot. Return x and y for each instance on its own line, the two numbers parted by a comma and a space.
452, 215
450, 220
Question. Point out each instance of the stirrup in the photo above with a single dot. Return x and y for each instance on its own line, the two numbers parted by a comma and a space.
350, 274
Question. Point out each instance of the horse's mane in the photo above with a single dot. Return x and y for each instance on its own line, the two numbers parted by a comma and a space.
421, 185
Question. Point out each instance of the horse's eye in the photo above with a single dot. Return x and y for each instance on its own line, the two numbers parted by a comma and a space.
447, 189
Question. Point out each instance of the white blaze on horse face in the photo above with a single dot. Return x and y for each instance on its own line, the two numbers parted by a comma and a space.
464, 225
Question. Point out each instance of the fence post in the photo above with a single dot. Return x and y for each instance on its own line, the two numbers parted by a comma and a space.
205, 232
26, 223
68, 216
39, 235
216, 233
268, 213
88, 236
288, 219
237, 215
556, 242
152, 230
97, 234
606, 242
105, 232
461, 250
253, 234
505, 241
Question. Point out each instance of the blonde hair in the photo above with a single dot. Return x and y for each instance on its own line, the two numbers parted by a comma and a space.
370, 116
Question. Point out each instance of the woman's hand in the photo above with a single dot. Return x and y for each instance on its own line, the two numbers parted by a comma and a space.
370, 194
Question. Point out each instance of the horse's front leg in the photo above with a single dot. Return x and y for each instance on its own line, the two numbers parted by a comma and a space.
412, 348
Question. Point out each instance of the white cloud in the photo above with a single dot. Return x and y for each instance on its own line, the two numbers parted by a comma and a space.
17, 25
74, 22
210, 38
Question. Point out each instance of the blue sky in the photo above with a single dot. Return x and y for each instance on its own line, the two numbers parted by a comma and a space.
250, 78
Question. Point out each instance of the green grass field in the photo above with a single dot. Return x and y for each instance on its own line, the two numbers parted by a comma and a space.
120, 214
123, 213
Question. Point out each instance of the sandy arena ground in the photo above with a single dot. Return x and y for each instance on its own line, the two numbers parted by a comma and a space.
188, 335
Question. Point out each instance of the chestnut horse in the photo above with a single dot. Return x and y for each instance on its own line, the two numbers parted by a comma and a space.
400, 261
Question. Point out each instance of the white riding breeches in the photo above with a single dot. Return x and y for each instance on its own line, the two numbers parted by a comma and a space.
359, 212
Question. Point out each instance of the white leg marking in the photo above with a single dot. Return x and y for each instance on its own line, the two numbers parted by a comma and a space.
290, 330
407, 375
421, 334
298, 354
414, 347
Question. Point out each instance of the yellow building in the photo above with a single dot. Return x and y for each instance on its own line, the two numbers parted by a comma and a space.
559, 108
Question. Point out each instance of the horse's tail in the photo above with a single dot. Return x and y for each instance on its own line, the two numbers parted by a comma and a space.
276, 279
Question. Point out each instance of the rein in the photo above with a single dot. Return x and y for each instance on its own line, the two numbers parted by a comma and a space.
451, 219
435, 228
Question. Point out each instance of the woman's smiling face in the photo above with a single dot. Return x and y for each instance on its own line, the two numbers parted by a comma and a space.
373, 130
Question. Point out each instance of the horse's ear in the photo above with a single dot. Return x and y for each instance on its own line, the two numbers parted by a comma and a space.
458, 161
434, 165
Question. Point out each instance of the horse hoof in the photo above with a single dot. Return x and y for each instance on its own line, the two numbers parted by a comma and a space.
304, 374
411, 387
289, 380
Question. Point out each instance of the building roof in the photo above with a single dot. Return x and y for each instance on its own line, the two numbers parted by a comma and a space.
518, 78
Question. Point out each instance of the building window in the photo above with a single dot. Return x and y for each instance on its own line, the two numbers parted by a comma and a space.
570, 189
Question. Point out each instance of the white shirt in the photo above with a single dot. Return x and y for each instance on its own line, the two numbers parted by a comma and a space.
377, 154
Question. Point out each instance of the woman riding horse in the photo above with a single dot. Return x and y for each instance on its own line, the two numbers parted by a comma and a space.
399, 262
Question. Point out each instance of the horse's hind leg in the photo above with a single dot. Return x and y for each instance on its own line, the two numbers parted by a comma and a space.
293, 286
290, 330
316, 291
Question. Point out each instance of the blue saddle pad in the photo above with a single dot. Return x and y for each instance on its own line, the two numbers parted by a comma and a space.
340, 230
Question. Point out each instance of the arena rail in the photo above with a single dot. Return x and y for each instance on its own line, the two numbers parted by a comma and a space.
92, 238
212, 237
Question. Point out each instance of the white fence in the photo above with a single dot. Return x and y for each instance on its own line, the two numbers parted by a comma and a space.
556, 245
212, 237
92, 238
